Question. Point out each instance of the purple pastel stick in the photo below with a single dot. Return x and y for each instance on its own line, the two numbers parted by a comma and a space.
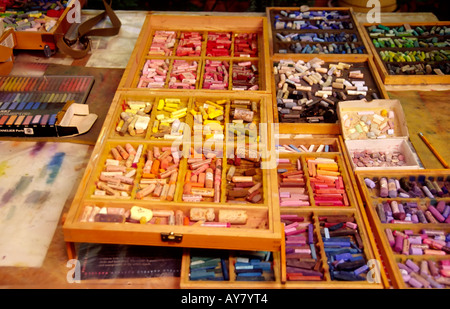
415, 240
404, 267
310, 233
384, 192
398, 246
414, 283
440, 206
436, 213
369, 183
446, 211
414, 267
406, 277
290, 250
305, 272
361, 269
415, 251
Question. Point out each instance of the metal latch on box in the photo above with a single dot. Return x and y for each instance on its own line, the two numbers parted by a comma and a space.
171, 237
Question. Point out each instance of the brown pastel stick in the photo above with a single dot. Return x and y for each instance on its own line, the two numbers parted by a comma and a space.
236, 193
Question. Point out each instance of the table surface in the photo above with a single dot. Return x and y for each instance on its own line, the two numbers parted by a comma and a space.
425, 109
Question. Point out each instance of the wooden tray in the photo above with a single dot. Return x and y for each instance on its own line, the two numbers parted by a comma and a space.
390, 79
204, 25
276, 44
279, 263
262, 230
399, 141
232, 282
371, 199
327, 282
363, 61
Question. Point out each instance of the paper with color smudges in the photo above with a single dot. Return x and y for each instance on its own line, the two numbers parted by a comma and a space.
36, 179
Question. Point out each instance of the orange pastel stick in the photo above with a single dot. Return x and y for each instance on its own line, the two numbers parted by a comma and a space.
346, 203
201, 178
328, 166
187, 177
148, 176
155, 167
327, 178
187, 188
291, 173
186, 221
164, 163
299, 277
328, 173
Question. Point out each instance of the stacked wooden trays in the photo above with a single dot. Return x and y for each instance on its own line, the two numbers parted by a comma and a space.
315, 215
396, 222
263, 229
426, 43
321, 274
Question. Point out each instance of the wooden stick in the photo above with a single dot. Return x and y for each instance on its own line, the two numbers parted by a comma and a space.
433, 150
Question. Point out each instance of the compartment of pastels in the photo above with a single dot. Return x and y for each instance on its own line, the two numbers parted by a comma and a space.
314, 179
288, 143
328, 249
313, 31
410, 53
306, 89
224, 269
376, 135
409, 214
326, 243
182, 52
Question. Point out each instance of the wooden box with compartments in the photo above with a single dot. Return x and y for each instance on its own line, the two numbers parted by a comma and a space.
324, 245
408, 212
175, 178
410, 53
317, 30
195, 52
306, 89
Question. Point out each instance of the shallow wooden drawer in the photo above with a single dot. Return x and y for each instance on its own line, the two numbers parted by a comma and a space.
261, 230
319, 273
406, 79
278, 46
397, 222
204, 25
268, 278
363, 63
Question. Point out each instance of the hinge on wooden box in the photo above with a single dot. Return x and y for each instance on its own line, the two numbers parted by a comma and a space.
171, 237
